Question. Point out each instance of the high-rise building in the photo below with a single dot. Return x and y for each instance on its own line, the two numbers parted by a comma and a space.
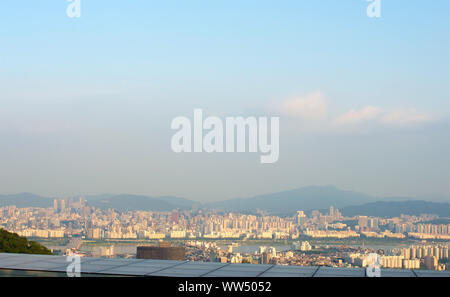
437, 252
266, 257
373, 224
63, 204
411, 263
363, 222
406, 253
95, 233
301, 218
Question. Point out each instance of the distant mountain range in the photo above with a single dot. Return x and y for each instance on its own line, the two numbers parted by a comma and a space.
25, 200
280, 203
288, 202
389, 209
122, 202
125, 202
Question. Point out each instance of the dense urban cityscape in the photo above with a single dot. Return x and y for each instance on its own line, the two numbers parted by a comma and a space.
324, 238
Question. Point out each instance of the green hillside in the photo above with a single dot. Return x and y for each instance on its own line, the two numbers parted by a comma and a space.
13, 243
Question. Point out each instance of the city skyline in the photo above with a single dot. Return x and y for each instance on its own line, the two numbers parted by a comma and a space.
72, 226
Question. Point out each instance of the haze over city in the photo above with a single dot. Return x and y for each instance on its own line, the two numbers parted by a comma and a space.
86, 104
225, 147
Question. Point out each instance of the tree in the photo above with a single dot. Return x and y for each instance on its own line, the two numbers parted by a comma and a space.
13, 243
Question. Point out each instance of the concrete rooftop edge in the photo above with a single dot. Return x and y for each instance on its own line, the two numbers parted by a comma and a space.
10, 263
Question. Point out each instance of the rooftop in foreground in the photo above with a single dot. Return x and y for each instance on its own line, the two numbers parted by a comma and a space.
43, 265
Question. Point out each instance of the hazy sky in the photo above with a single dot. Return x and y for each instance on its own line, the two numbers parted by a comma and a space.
86, 104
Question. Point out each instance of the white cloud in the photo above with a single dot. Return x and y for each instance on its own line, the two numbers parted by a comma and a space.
309, 107
401, 117
311, 110
357, 116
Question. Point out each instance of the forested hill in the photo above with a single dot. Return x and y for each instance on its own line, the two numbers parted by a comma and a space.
13, 243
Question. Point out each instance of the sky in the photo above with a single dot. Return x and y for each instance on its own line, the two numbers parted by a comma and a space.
87, 103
